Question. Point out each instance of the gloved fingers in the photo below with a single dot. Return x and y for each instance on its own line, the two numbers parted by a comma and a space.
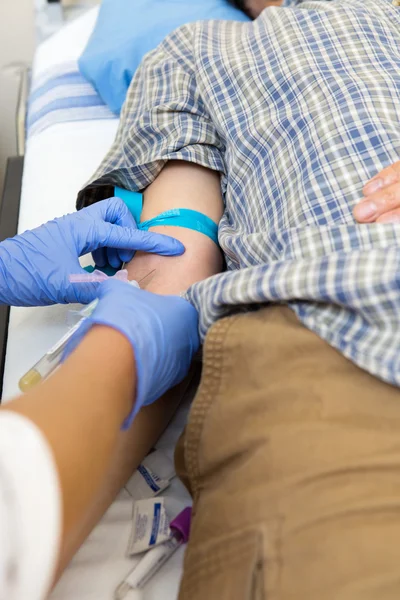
126, 256
82, 293
100, 257
111, 256
114, 258
115, 211
125, 238
112, 286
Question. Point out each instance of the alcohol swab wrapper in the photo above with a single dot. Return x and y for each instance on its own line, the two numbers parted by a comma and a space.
97, 277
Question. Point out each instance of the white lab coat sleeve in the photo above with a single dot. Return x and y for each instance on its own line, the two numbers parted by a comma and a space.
30, 510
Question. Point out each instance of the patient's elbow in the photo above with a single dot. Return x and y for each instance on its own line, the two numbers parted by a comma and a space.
173, 275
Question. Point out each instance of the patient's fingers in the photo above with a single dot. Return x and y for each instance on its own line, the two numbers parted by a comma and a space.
385, 177
390, 217
380, 206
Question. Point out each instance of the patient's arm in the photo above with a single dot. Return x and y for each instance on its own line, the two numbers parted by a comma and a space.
180, 185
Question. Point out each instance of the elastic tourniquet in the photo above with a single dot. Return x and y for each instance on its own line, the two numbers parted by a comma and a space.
177, 217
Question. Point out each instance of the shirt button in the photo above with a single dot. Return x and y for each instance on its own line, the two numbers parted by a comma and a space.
396, 2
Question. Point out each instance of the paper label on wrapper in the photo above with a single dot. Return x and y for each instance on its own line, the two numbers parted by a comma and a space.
144, 483
160, 464
152, 477
150, 525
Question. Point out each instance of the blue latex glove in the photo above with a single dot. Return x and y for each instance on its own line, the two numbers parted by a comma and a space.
35, 266
163, 332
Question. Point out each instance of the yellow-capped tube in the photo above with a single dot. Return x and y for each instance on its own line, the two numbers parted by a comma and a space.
50, 361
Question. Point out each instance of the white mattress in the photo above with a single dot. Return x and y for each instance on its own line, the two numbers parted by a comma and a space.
58, 161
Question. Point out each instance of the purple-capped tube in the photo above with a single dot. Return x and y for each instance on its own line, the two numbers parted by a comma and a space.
155, 558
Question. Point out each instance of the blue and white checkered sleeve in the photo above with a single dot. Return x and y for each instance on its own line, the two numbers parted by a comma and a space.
164, 118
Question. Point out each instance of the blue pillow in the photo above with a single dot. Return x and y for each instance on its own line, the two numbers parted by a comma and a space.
127, 29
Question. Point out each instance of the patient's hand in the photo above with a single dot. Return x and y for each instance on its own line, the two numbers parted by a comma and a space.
381, 202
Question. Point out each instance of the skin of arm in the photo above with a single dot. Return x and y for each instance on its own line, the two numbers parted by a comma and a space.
180, 185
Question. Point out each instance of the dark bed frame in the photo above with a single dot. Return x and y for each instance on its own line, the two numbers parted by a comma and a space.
9, 213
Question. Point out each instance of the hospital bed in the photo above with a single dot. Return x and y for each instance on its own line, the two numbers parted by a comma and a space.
62, 150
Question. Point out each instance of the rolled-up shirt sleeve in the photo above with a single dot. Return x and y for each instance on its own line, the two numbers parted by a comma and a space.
164, 118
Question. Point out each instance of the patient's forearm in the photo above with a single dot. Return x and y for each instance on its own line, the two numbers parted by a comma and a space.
180, 185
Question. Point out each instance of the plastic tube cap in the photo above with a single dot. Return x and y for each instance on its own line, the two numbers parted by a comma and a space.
182, 523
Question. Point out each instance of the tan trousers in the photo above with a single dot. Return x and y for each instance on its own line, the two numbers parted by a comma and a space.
292, 455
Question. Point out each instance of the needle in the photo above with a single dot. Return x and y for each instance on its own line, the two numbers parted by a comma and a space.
145, 277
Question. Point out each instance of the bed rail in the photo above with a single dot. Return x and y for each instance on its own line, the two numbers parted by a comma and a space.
22, 109
9, 213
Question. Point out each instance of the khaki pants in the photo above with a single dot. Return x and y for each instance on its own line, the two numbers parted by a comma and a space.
292, 455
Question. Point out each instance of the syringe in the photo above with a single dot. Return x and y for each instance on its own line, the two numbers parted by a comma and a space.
50, 361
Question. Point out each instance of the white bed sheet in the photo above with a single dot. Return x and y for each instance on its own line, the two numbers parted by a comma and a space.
57, 163
67, 45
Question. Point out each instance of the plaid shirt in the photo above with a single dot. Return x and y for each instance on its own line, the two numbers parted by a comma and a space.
297, 110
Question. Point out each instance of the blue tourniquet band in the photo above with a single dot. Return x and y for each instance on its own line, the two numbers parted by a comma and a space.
184, 217
133, 200
177, 217
108, 270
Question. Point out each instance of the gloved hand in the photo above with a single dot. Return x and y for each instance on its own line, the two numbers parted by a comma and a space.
163, 332
35, 266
